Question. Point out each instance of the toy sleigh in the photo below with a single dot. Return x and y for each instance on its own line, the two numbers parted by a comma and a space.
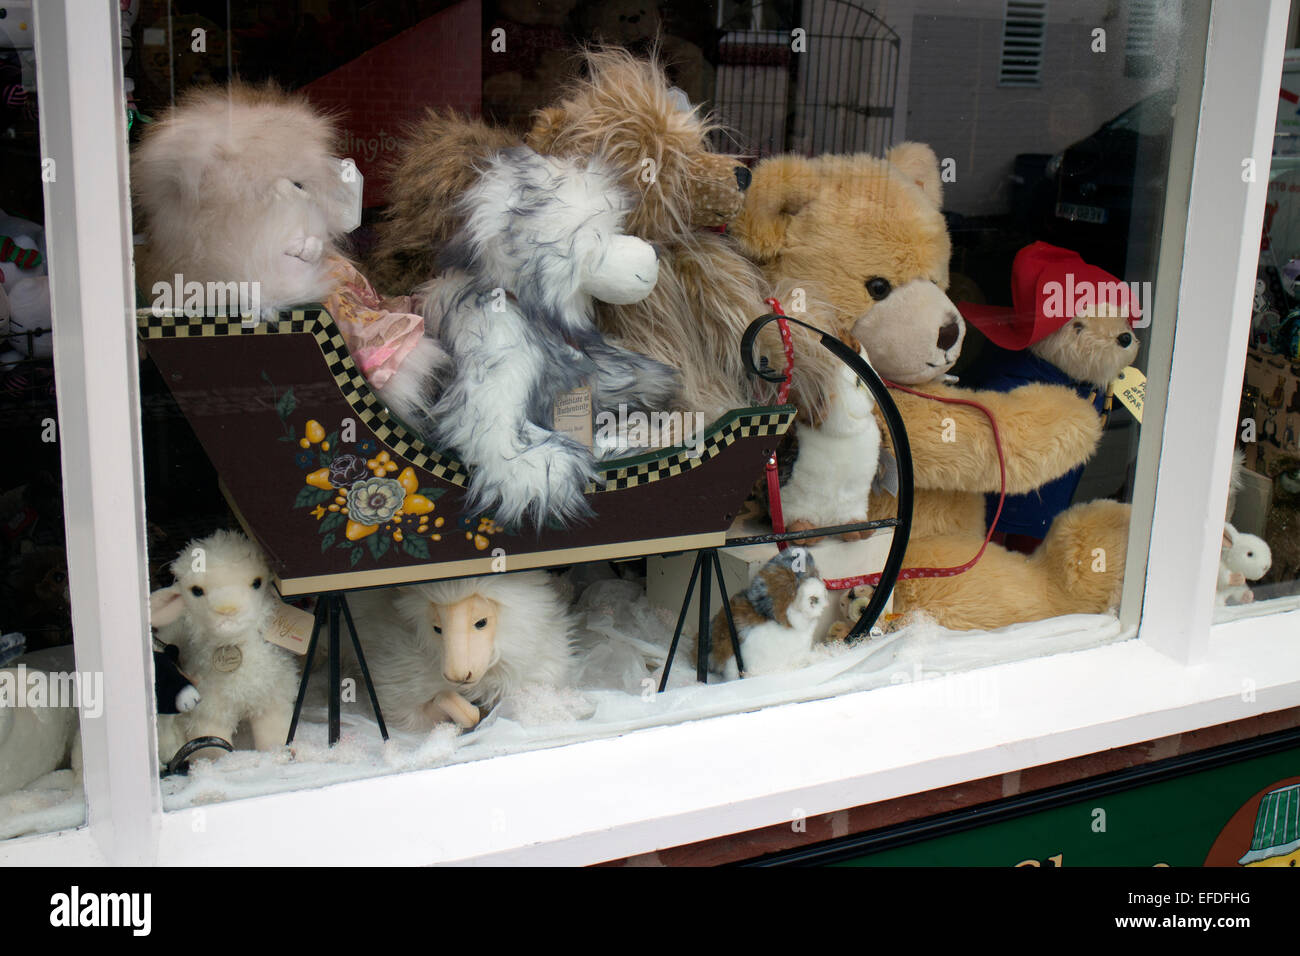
341, 495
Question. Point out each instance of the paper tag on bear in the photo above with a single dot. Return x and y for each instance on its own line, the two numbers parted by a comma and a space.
1131, 389
290, 628
573, 414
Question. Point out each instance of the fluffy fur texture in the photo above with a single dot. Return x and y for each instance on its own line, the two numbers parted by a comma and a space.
34, 739
1079, 568
868, 235
625, 112
1090, 348
542, 240
438, 162
832, 475
406, 657
776, 617
238, 184
836, 223
220, 614
1242, 557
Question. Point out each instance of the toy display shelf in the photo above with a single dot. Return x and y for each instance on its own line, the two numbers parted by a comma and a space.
296, 434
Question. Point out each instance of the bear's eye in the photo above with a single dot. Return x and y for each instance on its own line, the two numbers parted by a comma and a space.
257, 584
437, 629
1078, 327
196, 591
480, 623
878, 288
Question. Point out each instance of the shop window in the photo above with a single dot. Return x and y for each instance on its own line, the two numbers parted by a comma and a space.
333, 440
1260, 550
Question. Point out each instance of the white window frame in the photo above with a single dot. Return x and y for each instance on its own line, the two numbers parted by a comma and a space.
670, 785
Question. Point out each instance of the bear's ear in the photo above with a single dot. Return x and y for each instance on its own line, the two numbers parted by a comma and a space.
547, 124
782, 188
918, 163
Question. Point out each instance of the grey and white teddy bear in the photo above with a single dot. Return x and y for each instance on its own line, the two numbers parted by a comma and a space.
513, 318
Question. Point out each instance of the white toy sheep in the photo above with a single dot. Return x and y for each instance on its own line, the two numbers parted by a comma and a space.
1243, 557
443, 650
218, 613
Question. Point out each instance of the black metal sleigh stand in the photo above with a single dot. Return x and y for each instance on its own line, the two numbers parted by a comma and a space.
708, 567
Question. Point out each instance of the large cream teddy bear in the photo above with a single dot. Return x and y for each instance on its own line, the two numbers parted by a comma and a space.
866, 235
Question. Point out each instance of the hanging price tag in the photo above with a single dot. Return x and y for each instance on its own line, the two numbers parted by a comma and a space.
1131, 390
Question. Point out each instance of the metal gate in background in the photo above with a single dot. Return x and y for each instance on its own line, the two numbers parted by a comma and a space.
835, 95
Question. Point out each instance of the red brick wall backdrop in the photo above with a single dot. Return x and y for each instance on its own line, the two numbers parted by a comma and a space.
437, 62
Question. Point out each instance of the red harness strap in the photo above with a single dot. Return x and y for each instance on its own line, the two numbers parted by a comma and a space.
840, 584
774, 484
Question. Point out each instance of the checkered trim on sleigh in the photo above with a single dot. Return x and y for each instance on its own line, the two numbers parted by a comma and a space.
676, 461
743, 423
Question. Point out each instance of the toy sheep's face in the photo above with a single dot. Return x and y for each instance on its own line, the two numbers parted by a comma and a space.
466, 631
222, 583
867, 234
1092, 347
226, 599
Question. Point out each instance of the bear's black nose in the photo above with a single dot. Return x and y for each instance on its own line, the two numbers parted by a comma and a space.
1125, 339
948, 336
743, 177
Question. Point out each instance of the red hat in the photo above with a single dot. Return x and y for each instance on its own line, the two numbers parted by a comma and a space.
1048, 285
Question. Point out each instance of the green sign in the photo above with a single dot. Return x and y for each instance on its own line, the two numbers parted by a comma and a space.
1232, 806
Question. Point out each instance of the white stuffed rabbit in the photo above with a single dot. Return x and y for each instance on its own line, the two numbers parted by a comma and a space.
1243, 557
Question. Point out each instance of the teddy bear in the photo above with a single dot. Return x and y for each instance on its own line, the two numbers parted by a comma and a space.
624, 112
866, 234
1071, 324
1079, 569
238, 194
542, 240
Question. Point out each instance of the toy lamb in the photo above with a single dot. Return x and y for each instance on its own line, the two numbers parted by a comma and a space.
776, 617
542, 240
217, 613
1243, 557
237, 184
448, 650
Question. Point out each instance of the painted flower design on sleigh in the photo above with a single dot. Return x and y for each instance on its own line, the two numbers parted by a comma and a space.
375, 501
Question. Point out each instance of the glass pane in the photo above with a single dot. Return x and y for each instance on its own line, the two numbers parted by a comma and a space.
452, 330
1259, 568
40, 686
